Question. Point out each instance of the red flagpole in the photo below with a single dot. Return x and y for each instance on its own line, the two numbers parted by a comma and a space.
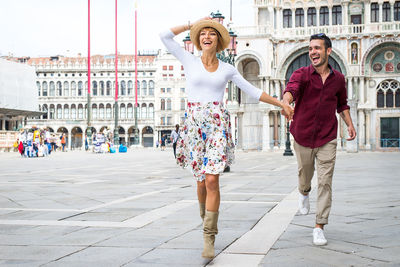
136, 73
116, 55
88, 60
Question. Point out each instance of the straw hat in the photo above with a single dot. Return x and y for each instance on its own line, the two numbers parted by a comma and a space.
223, 38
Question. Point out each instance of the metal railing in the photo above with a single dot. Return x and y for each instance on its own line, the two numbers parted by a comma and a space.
390, 142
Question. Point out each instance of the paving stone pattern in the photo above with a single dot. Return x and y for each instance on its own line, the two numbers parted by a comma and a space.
140, 209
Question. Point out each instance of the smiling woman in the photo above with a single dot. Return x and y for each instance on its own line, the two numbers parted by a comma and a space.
205, 143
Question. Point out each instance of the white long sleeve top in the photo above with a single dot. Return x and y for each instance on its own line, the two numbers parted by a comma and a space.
201, 85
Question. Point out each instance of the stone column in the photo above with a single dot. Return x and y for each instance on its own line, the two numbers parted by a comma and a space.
265, 131
361, 129
293, 18
368, 129
69, 139
279, 19
330, 15
275, 129
345, 15
362, 90
350, 88
317, 16
306, 20
266, 84
283, 132
380, 12
392, 11
367, 17
276, 88
351, 146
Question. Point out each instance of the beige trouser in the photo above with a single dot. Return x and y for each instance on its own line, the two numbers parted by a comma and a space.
326, 157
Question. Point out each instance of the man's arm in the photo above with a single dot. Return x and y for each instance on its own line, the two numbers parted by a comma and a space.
345, 114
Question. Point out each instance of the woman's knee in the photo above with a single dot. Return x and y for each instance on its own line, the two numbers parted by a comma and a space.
212, 182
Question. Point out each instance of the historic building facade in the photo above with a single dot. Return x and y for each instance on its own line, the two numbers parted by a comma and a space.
62, 90
366, 49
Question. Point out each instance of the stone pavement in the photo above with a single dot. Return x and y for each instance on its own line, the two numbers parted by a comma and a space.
140, 209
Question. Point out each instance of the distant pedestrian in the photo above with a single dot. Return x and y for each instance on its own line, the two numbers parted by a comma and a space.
63, 142
157, 143
163, 140
174, 138
319, 92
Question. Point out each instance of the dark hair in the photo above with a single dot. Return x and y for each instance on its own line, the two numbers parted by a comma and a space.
177, 126
322, 36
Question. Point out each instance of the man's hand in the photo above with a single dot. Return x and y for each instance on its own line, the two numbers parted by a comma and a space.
287, 111
352, 133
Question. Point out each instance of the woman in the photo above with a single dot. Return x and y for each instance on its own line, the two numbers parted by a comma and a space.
206, 141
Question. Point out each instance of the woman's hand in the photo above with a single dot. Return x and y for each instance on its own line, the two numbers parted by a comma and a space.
287, 111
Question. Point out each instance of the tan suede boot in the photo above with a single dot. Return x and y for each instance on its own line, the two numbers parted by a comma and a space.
202, 210
210, 229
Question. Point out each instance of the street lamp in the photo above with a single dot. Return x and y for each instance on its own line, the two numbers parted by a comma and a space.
189, 46
288, 151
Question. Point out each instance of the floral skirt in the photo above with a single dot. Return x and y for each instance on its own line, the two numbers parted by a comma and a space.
205, 143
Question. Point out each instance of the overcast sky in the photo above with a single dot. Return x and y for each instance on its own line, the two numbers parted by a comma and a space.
59, 27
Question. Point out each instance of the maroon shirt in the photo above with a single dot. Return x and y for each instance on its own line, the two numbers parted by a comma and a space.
314, 122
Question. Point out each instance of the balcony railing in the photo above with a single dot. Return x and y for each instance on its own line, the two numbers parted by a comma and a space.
331, 31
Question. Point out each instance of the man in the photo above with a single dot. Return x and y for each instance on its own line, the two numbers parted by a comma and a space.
174, 138
318, 92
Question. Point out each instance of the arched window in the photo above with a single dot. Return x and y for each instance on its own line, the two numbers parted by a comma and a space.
101, 111
66, 111
287, 18
59, 112
59, 89
94, 111
80, 88
123, 88
130, 87
380, 99
169, 104
66, 89
94, 85
144, 88
44, 88
101, 85
396, 11
151, 110
144, 111
80, 111
312, 16
130, 111
386, 11
162, 104
138, 87
108, 111
73, 111
108, 88
374, 12
397, 99
151, 88
44, 109
38, 87
337, 15
52, 89
123, 111
52, 110
299, 17
389, 98
324, 16
73, 88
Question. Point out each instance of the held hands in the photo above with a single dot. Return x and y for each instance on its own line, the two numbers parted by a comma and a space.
287, 111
